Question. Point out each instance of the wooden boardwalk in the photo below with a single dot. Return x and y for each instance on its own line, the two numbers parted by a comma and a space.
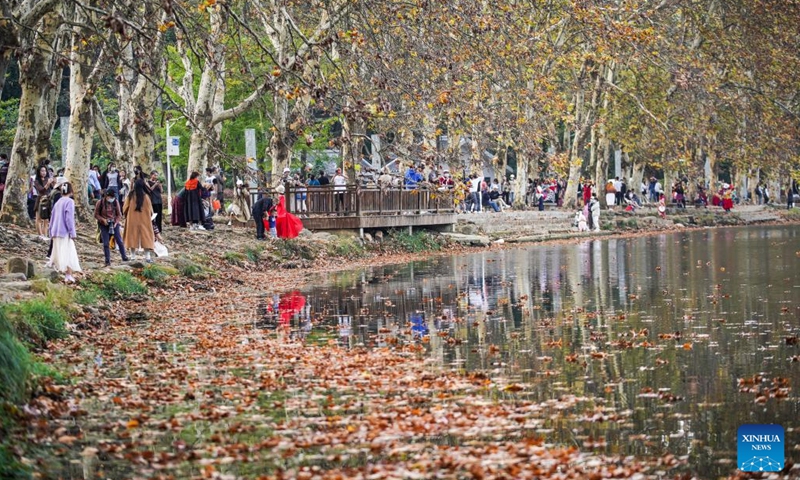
355, 208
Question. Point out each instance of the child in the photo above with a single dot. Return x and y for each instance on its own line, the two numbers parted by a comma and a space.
580, 221
272, 222
156, 231
662, 207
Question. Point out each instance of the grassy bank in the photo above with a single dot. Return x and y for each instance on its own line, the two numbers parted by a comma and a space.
299, 253
25, 329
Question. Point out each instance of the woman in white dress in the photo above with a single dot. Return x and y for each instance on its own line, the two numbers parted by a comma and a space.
611, 194
62, 230
240, 209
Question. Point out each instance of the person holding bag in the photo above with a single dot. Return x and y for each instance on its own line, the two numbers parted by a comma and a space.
109, 217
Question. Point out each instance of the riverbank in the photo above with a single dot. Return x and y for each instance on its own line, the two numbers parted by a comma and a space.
168, 370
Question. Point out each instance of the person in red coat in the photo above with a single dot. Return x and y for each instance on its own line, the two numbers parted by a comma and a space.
727, 199
290, 305
587, 192
288, 225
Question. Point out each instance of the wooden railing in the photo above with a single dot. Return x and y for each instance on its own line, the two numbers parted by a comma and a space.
353, 200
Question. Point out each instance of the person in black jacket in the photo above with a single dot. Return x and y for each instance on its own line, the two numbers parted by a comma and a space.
154, 186
260, 209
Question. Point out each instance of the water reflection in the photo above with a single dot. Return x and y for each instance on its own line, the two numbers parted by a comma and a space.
654, 331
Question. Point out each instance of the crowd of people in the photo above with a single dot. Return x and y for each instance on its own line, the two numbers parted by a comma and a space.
117, 200
128, 208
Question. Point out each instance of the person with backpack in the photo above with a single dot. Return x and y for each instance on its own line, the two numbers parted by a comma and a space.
43, 184
108, 214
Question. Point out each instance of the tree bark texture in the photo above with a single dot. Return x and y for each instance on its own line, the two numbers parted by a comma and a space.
40, 79
84, 66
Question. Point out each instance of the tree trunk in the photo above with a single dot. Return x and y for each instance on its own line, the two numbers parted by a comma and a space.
22, 158
201, 106
140, 65
500, 162
81, 133
79, 152
352, 134
523, 172
40, 81
202, 128
198, 148
595, 164
711, 183
637, 172
601, 144
279, 151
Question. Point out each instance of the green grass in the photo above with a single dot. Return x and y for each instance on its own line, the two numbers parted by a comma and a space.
347, 247
10, 467
18, 367
41, 370
193, 271
296, 249
416, 242
15, 369
20, 371
89, 294
37, 321
793, 214
192, 268
253, 253
158, 274
121, 285
234, 258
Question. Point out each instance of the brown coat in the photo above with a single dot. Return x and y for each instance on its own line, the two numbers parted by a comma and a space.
138, 226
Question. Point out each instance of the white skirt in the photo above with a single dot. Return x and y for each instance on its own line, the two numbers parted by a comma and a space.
65, 255
610, 198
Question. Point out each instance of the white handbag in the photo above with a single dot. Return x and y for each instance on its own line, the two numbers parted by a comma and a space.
160, 249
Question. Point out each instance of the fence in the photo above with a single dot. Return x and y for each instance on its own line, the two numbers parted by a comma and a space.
356, 201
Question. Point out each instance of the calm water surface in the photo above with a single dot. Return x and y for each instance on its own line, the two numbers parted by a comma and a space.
655, 331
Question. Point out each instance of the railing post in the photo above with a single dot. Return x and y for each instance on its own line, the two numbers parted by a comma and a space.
358, 200
289, 197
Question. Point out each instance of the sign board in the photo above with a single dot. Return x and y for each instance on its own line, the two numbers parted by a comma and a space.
174, 146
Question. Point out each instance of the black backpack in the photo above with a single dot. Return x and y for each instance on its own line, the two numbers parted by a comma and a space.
45, 206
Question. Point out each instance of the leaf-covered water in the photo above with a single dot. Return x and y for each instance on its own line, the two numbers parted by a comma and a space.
677, 338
